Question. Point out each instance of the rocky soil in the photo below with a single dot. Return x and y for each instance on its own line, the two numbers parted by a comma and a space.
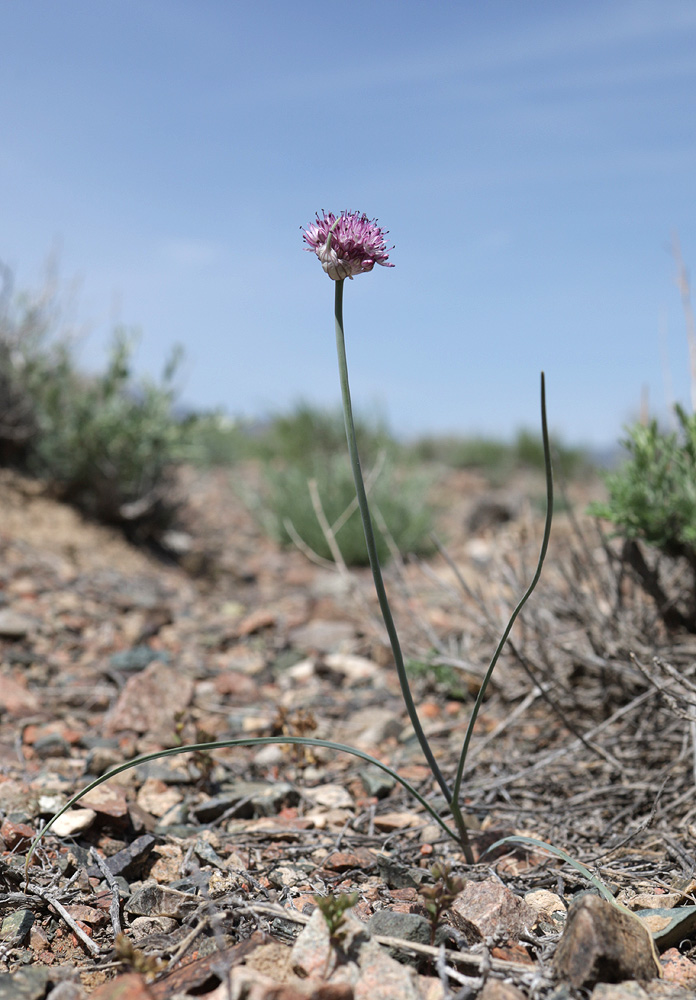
198, 874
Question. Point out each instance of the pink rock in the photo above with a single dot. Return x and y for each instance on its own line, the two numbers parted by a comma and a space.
150, 702
490, 910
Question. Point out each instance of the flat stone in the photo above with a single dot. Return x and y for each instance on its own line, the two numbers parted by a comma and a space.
354, 668
376, 782
370, 727
330, 796
102, 759
150, 702
16, 926
603, 944
142, 927
237, 686
15, 698
621, 991
157, 798
136, 659
126, 862
288, 875
73, 821
343, 861
67, 990
323, 636
406, 926
489, 909
51, 745
13, 625
157, 901
549, 908
87, 914
107, 800
397, 875
27, 984
255, 798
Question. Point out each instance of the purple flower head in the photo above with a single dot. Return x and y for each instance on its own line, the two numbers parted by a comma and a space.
351, 245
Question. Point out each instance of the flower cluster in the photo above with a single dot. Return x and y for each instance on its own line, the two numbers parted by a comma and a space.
349, 245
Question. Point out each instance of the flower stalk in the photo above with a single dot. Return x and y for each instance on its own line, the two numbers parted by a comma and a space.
370, 542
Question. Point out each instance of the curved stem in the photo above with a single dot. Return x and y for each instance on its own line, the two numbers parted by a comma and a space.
242, 741
377, 574
525, 597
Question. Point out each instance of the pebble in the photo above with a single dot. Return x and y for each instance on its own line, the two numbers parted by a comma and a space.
406, 926
16, 926
158, 901
73, 821
13, 625
488, 909
136, 659
26, 984
602, 943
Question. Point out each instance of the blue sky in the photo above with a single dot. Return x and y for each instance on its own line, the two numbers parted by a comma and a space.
531, 160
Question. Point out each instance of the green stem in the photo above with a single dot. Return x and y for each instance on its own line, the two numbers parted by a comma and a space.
523, 601
243, 741
377, 576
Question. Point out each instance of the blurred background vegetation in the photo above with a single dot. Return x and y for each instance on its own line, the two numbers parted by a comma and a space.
111, 443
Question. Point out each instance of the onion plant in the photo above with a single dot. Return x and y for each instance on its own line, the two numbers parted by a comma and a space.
349, 245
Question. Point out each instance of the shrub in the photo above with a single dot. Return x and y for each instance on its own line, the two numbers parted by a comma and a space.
105, 442
652, 498
108, 443
397, 496
499, 458
307, 432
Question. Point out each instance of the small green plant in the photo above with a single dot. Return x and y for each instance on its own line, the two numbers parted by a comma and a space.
652, 499
439, 897
400, 497
334, 909
440, 677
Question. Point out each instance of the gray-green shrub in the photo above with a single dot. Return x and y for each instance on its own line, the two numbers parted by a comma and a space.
106, 442
399, 496
652, 499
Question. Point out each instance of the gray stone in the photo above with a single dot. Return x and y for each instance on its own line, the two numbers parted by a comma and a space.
376, 783
16, 926
157, 901
142, 927
253, 798
67, 990
126, 861
102, 759
12, 625
397, 875
51, 745
131, 661
370, 727
27, 984
323, 636
406, 926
